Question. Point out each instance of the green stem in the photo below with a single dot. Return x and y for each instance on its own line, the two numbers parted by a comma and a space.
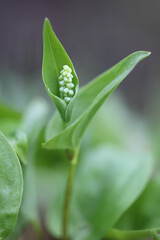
155, 235
115, 234
38, 232
73, 162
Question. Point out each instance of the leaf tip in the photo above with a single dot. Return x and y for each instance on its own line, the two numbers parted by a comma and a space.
47, 24
46, 21
147, 53
144, 54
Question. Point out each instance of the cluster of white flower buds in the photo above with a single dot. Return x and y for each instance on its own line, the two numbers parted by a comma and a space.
65, 84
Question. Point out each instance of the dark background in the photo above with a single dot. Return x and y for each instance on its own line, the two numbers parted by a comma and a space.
96, 35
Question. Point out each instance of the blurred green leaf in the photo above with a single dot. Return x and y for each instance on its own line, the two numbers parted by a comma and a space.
145, 212
54, 58
9, 119
11, 186
116, 124
108, 181
8, 112
88, 101
19, 143
132, 235
34, 118
33, 122
155, 235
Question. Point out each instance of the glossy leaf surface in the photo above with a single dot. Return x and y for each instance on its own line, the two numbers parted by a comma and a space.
11, 186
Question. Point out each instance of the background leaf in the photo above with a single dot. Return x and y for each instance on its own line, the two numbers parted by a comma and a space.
132, 235
33, 122
145, 212
19, 143
54, 57
9, 119
108, 181
11, 186
88, 101
8, 112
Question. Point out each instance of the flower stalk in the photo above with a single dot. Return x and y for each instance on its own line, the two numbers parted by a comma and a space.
73, 162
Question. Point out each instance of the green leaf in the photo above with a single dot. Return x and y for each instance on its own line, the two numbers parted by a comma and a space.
11, 186
34, 118
54, 58
108, 180
109, 186
143, 213
116, 234
8, 112
19, 143
33, 122
86, 104
9, 119
155, 235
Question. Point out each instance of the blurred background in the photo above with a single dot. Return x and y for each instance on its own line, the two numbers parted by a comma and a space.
96, 35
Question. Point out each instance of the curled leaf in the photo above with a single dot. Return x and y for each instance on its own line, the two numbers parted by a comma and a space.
55, 59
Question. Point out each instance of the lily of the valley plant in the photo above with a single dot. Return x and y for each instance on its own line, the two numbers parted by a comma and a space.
86, 203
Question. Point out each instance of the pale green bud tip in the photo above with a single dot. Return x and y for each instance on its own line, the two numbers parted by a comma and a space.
67, 99
65, 84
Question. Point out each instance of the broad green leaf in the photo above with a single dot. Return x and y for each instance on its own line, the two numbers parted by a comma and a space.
54, 58
11, 187
33, 122
9, 119
111, 180
116, 124
144, 213
107, 182
88, 101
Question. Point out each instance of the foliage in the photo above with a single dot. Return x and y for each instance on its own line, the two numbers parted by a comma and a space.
111, 193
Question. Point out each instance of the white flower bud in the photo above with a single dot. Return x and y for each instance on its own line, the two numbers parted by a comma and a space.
65, 79
62, 83
61, 89
65, 67
67, 99
70, 93
69, 75
70, 85
60, 77
69, 80
65, 83
64, 73
66, 90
